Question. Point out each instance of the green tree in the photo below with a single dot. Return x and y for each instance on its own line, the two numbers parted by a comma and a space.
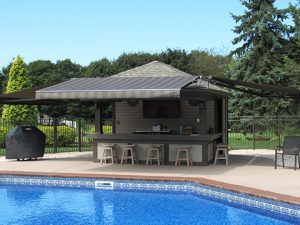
100, 68
263, 37
60, 71
177, 58
132, 60
207, 63
3, 81
17, 81
66, 69
4, 77
41, 72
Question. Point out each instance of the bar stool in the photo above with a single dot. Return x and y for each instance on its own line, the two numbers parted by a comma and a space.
183, 154
129, 153
109, 153
153, 154
222, 152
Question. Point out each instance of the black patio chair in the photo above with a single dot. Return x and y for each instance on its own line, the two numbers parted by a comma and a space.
291, 146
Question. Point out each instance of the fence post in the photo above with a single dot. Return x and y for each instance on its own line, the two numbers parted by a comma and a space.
253, 131
278, 131
55, 134
79, 134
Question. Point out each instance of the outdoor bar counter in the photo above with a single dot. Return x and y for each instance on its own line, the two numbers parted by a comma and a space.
202, 145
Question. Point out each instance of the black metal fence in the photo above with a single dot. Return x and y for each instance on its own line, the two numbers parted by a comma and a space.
62, 135
249, 132
246, 132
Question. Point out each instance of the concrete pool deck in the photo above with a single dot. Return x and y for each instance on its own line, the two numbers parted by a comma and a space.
249, 171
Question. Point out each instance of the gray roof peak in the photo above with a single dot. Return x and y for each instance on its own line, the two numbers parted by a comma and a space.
153, 69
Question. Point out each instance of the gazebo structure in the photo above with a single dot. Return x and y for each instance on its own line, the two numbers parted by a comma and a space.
152, 104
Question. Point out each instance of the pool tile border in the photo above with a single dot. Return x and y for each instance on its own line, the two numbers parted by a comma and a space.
146, 185
218, 184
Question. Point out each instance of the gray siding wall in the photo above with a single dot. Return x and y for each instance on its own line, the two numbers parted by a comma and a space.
129, 119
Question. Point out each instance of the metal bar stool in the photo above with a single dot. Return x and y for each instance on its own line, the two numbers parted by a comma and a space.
109, 153
222, 153
129, 153
153, 154
183, 154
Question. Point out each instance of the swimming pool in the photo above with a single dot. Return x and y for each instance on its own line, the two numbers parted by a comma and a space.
44, 200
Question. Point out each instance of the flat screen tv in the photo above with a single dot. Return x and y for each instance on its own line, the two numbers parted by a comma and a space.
161, 109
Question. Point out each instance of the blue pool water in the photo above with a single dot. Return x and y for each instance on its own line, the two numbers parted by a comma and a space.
46, 205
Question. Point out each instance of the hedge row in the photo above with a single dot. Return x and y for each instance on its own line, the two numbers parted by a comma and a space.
65, 135
107, 129
3, 134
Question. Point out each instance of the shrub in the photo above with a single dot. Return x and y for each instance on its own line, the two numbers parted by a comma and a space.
65, 135
107, 129
262, 138
92, 130
18, 80
3, 133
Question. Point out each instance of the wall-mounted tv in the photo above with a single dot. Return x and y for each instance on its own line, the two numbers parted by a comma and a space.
161, 109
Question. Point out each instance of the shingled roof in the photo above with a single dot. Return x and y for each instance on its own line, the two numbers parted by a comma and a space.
153, 69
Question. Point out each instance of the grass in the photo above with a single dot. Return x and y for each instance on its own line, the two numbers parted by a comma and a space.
263, 140
247, 144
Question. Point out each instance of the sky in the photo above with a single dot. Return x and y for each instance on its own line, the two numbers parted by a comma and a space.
88, 30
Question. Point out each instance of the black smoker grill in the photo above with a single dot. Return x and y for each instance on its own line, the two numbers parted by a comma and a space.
25, 142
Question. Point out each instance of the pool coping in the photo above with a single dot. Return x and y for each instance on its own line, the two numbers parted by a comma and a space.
203, 181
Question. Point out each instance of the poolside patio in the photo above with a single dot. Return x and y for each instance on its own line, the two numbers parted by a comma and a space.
249, 171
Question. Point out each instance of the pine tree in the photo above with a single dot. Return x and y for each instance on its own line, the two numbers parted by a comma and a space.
263, 37
18, 80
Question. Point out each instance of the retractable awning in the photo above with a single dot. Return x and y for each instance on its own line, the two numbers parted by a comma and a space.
26, 96
117, 87
154, 80
262, 90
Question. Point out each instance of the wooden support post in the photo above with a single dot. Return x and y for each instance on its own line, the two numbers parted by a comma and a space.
97, 117
225, 137
97, 129
278, 131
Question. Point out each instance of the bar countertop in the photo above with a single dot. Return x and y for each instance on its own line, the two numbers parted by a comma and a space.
154, 137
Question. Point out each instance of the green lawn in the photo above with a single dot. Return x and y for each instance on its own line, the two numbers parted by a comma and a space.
266, 140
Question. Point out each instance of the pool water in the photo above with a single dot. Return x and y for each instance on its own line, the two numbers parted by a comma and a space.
46, 205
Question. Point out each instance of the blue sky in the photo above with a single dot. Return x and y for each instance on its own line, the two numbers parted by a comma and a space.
87, 30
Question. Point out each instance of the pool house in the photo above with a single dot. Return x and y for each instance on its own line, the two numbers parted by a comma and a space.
152, 105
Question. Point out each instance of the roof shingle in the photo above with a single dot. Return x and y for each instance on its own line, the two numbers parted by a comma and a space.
153, 69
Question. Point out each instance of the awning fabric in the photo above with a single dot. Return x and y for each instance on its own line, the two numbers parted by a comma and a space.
115, 87
263, 90
26, 96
